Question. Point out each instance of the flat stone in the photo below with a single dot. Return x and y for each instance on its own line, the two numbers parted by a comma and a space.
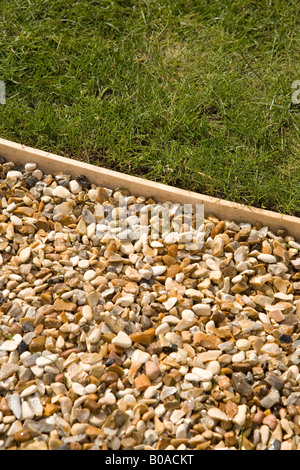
272, 399
296, 263
62, 305
142, 382
202, 309
217, 414
266, 258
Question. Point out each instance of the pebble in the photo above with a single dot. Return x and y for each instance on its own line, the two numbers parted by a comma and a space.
61, 192
265, 258
24, 254
122, 340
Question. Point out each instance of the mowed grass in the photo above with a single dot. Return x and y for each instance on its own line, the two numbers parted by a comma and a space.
195, 94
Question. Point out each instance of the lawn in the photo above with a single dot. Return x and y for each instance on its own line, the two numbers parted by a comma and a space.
195, 94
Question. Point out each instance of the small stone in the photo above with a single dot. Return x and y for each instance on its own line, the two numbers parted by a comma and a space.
75, 187
241, 385
144, 337
243, 344
61, 192
142, 382
152, 370
122, 340
31, 181
83, 181
271, 399
24, 254
22, 436
202, 309
8, 369
62, 305
88, 217
14, 174
266, 258
14, 403
140, 357
30, 166
217, 414
202, 374
271, 421
296, 263
241, 415
37, 344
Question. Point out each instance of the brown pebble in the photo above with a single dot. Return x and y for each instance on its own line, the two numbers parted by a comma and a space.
109, 378
22, 436
258, 417
50, 409
143, 337
94, 431
4, 408
15, 329
37, 344
173, 250
224, 382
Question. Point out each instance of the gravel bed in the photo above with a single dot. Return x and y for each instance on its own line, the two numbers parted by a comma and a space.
141, 343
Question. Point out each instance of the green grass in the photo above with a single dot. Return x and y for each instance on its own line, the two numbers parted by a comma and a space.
196, 94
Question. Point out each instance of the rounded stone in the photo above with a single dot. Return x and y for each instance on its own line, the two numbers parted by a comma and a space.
122, 340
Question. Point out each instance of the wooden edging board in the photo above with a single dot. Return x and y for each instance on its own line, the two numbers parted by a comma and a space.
223, 209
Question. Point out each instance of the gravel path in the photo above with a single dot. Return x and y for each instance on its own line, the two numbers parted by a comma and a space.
143, 343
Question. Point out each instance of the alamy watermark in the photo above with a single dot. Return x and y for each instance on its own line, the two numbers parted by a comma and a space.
2, 92
296, 94
170, 223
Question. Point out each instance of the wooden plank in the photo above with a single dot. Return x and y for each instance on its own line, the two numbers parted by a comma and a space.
223, 209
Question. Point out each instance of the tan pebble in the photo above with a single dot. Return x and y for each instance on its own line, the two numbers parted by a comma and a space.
22, 436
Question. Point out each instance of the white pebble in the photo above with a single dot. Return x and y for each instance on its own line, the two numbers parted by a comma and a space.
62, 192
30, 166
122, 340
265, 258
